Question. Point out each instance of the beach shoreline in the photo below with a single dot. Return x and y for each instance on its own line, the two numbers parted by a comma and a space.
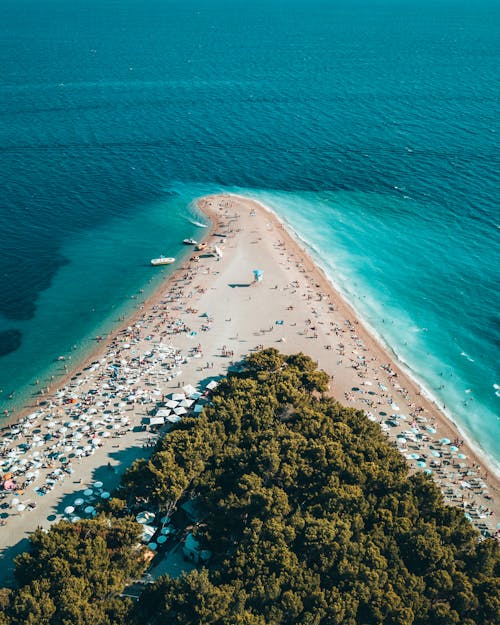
480, 454
212, 308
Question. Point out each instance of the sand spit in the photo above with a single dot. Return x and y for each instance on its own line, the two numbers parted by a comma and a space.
209, 314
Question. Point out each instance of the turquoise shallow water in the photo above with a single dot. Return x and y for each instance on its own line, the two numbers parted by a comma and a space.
370, 127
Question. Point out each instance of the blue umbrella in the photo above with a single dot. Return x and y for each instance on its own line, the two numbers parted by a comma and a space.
453, 448
436, 453
414, 456
421, 463
445, 441
461, 456
428, 471
258, 273
431, 430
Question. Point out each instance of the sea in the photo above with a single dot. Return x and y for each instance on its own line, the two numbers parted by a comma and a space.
369, 126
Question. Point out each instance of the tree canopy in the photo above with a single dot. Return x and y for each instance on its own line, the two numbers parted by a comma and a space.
310, 514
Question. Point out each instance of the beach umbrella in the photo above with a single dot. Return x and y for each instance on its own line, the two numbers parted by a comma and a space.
145, 517
14, 501
152, 546
105, 495
431, 430
461, 456
258, 274
435, 453
453, 448
421, 463
428, 471
180, 411
21, 507
414, 456
189, 390
178, 396
89, 509
98, 484
79, 501
75, 519
88, 492
445, 441
161, 539
69, 510
167, 530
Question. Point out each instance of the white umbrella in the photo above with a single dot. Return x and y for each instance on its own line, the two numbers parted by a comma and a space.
105, 495
88, 492
189, 390
173, 418
178, 396
89, 509
98, 484
79, 501
69, 510
145, 517
21, 507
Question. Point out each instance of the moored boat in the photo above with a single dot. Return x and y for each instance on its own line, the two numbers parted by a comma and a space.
163, 260
190, 242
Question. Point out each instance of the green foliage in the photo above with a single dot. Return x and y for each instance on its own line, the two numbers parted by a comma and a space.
310, 514
312, 517
72, 574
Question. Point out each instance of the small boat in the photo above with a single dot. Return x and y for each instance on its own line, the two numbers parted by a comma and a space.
163, 260
190, 242
200, 246
197, 223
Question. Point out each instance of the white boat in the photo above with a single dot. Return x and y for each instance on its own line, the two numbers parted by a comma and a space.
190, 242
197, 223
163, 260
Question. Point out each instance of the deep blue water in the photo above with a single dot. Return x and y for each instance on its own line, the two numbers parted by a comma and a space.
371, 127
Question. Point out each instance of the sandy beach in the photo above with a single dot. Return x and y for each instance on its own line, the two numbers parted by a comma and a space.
208, 315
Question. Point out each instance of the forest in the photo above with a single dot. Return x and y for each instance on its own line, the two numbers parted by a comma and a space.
310, 515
